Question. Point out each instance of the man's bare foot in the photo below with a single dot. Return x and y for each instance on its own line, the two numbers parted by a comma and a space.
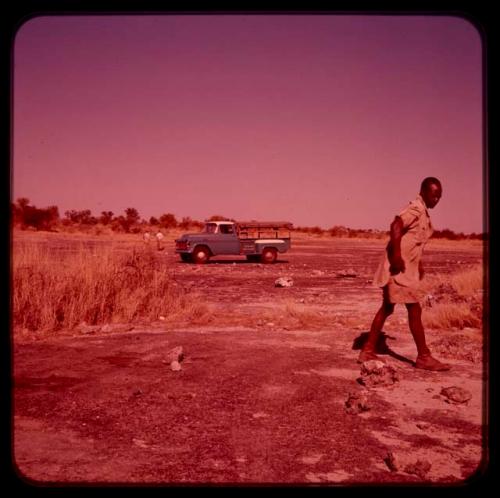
367, 356
430, 363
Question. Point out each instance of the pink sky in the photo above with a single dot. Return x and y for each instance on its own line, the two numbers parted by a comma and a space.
320, 120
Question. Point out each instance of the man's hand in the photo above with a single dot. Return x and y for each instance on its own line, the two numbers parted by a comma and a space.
394, 247
397, 264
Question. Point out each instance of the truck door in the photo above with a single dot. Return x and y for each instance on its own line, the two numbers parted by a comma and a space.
227, 241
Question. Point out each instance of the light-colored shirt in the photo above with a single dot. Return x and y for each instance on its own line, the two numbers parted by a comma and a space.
417, 229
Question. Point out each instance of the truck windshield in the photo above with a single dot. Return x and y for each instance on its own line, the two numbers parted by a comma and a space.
210, 227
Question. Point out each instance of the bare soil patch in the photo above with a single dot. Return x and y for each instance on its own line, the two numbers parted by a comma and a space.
262, 390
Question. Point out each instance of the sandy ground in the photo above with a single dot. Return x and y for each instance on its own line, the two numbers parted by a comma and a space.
262, 390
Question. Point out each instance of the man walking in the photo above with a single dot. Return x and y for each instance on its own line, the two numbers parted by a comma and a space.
400, 272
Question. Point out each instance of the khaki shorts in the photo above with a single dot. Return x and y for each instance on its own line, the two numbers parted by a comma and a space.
396, 293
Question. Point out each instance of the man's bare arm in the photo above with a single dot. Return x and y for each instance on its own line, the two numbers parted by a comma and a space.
394, 248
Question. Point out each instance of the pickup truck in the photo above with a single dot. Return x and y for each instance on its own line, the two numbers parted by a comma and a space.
258, 241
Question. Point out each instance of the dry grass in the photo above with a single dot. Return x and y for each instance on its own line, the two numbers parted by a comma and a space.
468, 282
457, 300
294, 316
60, 291
451, 315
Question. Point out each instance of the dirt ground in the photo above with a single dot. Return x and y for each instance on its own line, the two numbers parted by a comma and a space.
261, 394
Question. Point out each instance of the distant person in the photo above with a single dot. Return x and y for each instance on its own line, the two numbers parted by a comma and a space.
146, 237
400, 272
159, 237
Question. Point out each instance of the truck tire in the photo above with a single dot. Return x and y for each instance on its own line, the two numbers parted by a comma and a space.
201, 255
269, 255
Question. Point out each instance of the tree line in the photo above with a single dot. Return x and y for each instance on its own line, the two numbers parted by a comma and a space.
27, 216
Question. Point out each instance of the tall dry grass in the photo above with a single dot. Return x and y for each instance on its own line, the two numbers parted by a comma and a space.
457, 299
469, 281
53, 291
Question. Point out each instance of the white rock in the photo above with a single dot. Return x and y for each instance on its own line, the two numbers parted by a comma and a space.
284, 282
175, 366
175, 354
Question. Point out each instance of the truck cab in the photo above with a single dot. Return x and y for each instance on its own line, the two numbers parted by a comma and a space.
258, 241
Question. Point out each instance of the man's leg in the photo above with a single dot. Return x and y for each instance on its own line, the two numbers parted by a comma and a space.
368, 349
424, 358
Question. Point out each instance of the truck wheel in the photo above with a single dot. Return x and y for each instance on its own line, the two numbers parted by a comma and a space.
201, 255
268, 255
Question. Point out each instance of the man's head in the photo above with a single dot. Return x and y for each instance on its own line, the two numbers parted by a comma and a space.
431, 191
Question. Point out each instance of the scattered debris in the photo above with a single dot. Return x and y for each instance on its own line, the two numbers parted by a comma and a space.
391, 462
419, 468
424, 426
283, 282
260, 415
350, 273
84, 328
458, 346
140, 442
456, 395
114, 327
376, 373
356, 403
311, 459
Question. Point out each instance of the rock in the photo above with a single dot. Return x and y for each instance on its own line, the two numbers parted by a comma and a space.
375, 373
260, 415
391, 462
283, 282
356, 403
456, 395
175, 366
350, 273
372, 366
318, 273
429, 300
419, 468
423, 426
175, 354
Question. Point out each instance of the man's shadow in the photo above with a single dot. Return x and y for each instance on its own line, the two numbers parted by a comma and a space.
381, 347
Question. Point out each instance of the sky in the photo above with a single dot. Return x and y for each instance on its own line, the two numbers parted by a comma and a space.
320, 120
